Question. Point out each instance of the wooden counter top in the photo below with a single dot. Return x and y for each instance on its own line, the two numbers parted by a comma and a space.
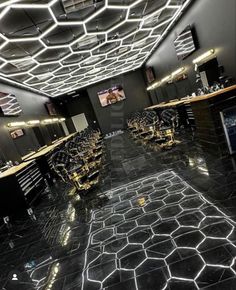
193, 99
15, 169
212, 95
170, 104
49, 148
29, 159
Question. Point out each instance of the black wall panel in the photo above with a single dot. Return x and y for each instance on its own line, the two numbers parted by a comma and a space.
32, 105
77, 103
215, 25
112, 118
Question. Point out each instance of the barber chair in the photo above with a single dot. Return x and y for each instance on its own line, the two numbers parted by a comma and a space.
74, 172
169, 122
149, 120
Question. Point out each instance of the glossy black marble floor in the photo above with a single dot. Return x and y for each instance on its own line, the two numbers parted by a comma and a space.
158, 220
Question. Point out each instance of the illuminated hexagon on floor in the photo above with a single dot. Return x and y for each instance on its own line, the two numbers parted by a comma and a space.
173, 198
140, 237
129, 249
170, 211
149, 265
126, 227
190, 218
133, 260
146, 189
187, 268
116, 246
133, 213
176, 179
148, 219
212, 275
128, 195
114, 219
149, 180
221, 229
176, 188
158, 194
153, 206
233, 265
175, 284
161, 184
102, 235
166, 228
192, 203
217, 256
189, 191
102, 259
122, 206
190, 239
102, 271
140, 201
160, 249
102, 214
165, 175
134, 186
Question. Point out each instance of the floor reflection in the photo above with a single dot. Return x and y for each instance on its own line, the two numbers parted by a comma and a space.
159, 219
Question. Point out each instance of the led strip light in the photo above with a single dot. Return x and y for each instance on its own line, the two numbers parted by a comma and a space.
101, 238
124, 55
166, 199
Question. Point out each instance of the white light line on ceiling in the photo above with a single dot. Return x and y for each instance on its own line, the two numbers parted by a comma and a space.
132, 60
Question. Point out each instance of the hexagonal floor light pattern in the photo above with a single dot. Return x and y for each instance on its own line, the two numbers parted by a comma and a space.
159, 233
55, 46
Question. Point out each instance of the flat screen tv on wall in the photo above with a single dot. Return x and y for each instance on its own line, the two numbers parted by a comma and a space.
9, 105
111, 96
185, 44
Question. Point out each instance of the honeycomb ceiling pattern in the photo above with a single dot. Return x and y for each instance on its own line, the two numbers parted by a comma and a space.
55, 46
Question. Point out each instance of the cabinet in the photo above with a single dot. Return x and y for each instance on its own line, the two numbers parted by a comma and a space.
20, 186
228, 117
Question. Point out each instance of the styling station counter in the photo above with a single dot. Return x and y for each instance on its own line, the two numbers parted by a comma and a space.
20, 186
43, 158
213, 115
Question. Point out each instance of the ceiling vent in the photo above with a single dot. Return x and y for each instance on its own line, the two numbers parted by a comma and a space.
23, 64
89, 40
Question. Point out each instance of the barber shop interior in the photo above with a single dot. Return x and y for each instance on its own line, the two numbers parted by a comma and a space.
117, 145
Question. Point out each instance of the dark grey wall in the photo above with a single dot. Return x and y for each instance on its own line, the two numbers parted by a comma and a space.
33, 107
74, 104
113, 117
215, 24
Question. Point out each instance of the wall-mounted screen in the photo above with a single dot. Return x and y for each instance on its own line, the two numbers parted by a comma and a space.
9, 105
185, 43
17, 133
51, 109
111, 95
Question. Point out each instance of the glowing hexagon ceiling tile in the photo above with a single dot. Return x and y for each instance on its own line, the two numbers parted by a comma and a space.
78, 43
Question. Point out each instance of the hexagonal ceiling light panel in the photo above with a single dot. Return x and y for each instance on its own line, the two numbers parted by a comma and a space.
76, 43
